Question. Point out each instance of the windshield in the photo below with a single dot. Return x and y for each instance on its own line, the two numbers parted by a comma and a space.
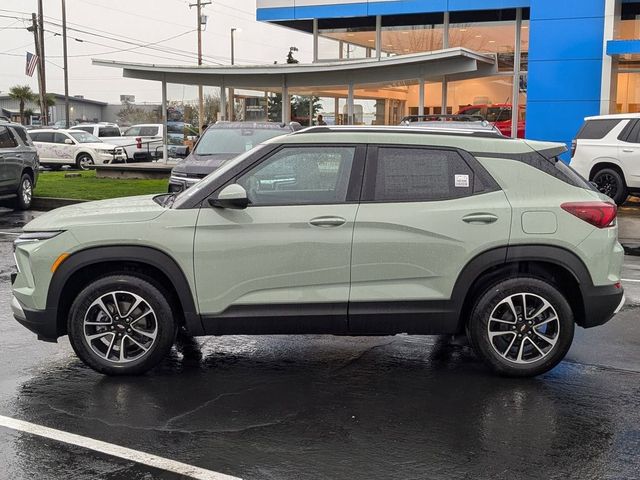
185, 194
234, 140
84, 137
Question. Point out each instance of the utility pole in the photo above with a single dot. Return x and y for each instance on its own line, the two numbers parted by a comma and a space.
231, 90
66, 66
44, 114
199, 6
34, 28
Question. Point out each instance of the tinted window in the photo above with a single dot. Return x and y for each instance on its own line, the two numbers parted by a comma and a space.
148, 131
132, 132
22, 133
85, 129
59, 138
419, 174
596, 129
236, 140
300, 176
108, 132
6, 138
498, 114
42, 137
633, 132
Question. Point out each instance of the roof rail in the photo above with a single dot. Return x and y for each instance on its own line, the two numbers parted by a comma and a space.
421, 130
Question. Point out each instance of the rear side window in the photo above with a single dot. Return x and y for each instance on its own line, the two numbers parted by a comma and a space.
46, 137
108, 132
419, 174
596, 129
148, 131
22, 133
6, 138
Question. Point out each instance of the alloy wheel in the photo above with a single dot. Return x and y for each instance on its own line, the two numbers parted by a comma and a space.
607, 184
27, 191
523, 328
86, 162
120, 327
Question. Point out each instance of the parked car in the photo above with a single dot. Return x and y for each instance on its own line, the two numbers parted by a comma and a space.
350, 231
100, 130
73, 147
220, 143
606, 151
498, 114
142, 143
18, 164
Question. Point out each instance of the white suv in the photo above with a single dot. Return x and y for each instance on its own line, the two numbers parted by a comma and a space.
607, 152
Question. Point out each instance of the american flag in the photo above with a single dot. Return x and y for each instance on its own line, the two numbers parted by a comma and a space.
32, 62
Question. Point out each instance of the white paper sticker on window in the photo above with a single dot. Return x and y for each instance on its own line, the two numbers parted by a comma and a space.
462, 181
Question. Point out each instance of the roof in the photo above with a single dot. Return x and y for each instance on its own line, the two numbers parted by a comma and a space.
60, 97
452, 61
617, 116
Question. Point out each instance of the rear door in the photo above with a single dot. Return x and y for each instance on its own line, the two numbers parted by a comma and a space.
629, 153
45, 145
425, 213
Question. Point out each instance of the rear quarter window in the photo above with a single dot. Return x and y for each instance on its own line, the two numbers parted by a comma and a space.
596, 129
24, 136
6, 138
108, 132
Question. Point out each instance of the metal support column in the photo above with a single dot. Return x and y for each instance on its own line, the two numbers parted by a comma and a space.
445, 44
165, 139
379, 37
223, 102
515, 101
350, 119
421, 97
315, 40
286, 101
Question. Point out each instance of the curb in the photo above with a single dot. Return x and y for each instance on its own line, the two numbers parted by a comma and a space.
50, 203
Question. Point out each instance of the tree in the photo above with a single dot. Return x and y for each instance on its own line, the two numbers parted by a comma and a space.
28, 113
131, 115
300, 109
23, 94
290, 58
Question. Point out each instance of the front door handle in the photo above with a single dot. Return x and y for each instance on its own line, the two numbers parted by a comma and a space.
483, 218
628, 150
327, 222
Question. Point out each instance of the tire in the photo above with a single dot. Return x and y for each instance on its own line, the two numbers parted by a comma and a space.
611, 183
84, 161
104, 352
497, 338
25, 192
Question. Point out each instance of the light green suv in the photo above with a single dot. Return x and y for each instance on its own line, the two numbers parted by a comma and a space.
350, 231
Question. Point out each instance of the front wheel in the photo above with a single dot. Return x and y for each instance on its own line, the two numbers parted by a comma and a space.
25, 192
611, 183
121, 325
521, 327
84, 162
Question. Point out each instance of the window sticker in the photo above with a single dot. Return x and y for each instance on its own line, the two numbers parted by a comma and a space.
462, 181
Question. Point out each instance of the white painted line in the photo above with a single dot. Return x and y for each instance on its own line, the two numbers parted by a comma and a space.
630, 280
114, 450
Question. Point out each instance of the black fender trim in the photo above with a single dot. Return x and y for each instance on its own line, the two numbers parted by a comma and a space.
126, 253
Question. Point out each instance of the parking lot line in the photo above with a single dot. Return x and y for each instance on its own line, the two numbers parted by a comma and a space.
113, 450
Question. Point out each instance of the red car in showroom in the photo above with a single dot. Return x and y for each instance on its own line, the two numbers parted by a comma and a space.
499, 114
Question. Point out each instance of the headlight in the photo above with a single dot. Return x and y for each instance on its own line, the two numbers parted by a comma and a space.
31, 237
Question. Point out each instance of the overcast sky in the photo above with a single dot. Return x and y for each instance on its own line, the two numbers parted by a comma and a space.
140, 22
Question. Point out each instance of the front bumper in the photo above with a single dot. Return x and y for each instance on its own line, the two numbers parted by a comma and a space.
40, 322
601, 304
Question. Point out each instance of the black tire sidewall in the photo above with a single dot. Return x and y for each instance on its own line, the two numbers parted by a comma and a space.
621, 193
478, 325
20, 200
134, 284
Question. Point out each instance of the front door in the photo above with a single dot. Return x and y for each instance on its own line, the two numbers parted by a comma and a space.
8, 161
425, 213
282, 265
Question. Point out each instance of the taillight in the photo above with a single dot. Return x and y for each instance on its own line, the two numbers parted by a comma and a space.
598, 214
138, 142
574, 145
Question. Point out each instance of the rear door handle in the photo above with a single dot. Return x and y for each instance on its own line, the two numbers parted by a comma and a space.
484, 218
327, 222
628, 150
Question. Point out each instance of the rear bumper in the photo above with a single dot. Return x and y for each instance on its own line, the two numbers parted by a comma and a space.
40, 322
601, 304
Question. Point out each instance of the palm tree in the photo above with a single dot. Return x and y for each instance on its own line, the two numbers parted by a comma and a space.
23, 94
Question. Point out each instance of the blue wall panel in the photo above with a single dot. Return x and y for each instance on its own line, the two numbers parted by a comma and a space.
620, 47
565, 67
407, 6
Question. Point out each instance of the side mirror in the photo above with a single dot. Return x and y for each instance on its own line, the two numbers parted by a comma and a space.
68, 141
181, 151
232, 196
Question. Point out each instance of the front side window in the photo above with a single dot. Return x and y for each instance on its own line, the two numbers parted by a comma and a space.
59, 138
301, 176
420, 174
132, 132
6, 138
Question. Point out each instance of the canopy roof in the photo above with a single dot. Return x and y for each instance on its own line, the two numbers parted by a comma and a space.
453, 62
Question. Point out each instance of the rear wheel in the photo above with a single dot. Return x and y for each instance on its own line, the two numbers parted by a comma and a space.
121, 325
521, 327
611, 183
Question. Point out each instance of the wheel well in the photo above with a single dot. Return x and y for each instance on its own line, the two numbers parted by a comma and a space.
600, 166
81, 278
559, 276
83, 153
28, 171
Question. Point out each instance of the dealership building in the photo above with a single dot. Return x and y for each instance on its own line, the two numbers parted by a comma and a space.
534, 65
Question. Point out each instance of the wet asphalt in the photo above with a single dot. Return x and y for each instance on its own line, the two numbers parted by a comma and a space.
324, 407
